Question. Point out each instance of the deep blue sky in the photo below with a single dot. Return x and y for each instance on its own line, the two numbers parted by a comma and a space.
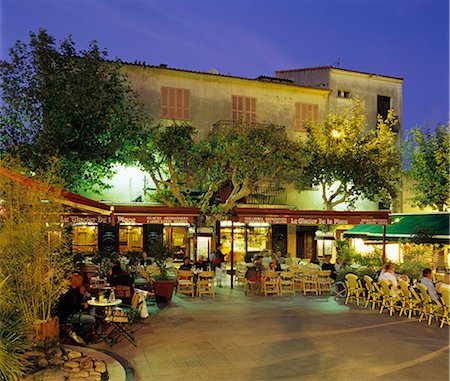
401, 38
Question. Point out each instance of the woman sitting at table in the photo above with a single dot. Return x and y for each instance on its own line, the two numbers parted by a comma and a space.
123, 284
186, 265
274, 265
72, 311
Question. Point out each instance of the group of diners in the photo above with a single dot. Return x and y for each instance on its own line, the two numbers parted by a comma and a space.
389, 275
81, 320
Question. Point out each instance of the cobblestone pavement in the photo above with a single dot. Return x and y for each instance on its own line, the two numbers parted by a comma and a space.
238, 337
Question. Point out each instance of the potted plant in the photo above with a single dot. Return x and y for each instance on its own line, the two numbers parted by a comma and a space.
164, 282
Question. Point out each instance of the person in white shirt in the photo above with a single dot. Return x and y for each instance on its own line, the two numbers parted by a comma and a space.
427, 281
388, 275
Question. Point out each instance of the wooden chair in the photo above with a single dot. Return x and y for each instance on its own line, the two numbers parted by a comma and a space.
185, 282
324, 281
270, 283
309, 281
354, 288
124, 293
287, 283
205, 284
298, 277
239, 276
121, 320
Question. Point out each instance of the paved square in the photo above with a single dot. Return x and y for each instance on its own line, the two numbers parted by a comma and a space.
238, 337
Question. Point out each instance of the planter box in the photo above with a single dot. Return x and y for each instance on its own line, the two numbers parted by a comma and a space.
164, 290
46, 332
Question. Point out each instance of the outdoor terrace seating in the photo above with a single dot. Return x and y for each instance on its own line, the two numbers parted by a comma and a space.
185, 282
430, 309
354, 288
389, 300
270, 283
205, 284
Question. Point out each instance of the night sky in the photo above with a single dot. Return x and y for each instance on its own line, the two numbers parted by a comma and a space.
400, 38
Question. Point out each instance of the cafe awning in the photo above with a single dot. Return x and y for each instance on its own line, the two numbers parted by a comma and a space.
418, 227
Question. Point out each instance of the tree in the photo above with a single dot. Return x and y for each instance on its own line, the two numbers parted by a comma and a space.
71, 105
221, 170
427, 164
347, 160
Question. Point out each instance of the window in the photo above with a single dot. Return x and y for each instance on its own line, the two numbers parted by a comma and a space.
175, 103
383, 106
305, 112
343, 94
243, 109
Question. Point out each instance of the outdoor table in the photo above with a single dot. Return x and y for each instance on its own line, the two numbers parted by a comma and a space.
103, 304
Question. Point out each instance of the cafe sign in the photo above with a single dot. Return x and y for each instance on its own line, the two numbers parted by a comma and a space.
314, 220
86, 220
338, 221
156, 220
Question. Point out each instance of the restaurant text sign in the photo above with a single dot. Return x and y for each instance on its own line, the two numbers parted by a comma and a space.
132, 220
314, 220
86, 220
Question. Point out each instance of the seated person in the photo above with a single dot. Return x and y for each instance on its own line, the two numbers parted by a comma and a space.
72, 310
327, 265
87, 278
427, 281
339, 265
121, 278
200, 265
274, 265
388, 275
186, 265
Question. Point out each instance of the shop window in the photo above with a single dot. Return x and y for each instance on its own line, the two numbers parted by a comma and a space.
305, 112
243, 109
176, 237
85, 238
131, 238
175, 103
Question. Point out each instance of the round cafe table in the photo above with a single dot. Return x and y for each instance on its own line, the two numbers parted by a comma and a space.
104, 303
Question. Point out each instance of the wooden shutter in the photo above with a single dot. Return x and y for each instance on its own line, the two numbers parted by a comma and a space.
243, 108
305, 112
175, 103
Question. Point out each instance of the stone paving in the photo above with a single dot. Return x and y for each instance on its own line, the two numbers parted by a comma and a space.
239, 337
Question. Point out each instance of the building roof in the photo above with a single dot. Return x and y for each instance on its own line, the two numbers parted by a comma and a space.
261, 78
419, 227
334, 68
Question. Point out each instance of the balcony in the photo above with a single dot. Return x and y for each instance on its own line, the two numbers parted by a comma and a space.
222, 125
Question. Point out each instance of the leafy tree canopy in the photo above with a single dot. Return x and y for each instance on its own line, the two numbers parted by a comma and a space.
71, 105
223, 169
347, 159
427, 154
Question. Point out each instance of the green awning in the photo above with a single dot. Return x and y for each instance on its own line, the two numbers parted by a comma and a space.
420, 228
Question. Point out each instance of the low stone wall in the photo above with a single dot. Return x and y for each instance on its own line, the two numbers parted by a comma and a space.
73, 364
